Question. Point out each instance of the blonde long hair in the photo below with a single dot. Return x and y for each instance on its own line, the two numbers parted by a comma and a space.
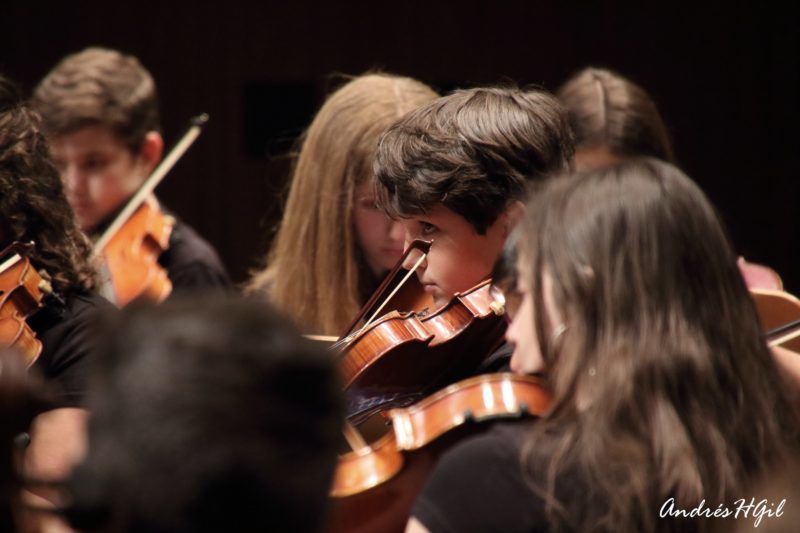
314, 272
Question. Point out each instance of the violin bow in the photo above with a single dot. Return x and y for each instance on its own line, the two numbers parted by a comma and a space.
417, 244
147, 188
782, 334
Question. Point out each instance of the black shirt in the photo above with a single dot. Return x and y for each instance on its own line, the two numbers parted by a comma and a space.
498, 361
479, 486
68, 344
191, 262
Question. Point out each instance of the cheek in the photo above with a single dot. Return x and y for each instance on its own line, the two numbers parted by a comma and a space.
108, 191
526, 357
442, 268
103, 192
369, 226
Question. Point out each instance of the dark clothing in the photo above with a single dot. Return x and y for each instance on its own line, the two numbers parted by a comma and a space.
479, 486
485, 484
498, 361
68, 344
191, 262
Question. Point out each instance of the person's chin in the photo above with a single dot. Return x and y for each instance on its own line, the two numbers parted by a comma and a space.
440, 299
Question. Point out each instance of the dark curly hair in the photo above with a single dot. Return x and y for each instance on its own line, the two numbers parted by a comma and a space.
472, 151
33, 206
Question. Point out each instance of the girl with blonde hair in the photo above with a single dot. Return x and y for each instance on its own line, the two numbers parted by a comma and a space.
334, 246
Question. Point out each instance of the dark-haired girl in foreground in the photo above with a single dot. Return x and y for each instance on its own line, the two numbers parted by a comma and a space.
663, 389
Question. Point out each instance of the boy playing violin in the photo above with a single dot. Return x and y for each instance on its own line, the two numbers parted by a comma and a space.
454, 172
100, 113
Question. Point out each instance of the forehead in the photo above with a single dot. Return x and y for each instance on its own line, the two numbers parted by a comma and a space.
366, 188
87, 140
441, 216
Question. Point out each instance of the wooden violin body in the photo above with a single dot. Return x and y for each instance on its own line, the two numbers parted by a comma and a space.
776, 309
375, 487
402, 357
129, 248
131, 256
22, 290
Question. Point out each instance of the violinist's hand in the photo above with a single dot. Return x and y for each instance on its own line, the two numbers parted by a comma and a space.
58, 442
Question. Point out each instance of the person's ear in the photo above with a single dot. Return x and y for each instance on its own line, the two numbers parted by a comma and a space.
151, 151
512, 215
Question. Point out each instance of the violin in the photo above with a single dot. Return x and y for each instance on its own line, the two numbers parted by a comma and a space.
778, 311
779, 315
375, 485
403, 356
131, 256
129, 249
22, 290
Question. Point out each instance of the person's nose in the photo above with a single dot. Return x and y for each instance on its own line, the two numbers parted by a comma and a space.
73, 180
397, 233
511, 332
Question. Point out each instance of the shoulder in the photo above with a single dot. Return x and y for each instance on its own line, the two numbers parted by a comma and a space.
58, 320
191, 261
68, 336
84, 305
480, 485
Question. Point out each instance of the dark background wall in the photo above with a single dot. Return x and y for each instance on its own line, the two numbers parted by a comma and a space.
725, 78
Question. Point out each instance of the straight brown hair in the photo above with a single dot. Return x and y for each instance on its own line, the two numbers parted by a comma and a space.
607, 109
662, 384
315, 271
